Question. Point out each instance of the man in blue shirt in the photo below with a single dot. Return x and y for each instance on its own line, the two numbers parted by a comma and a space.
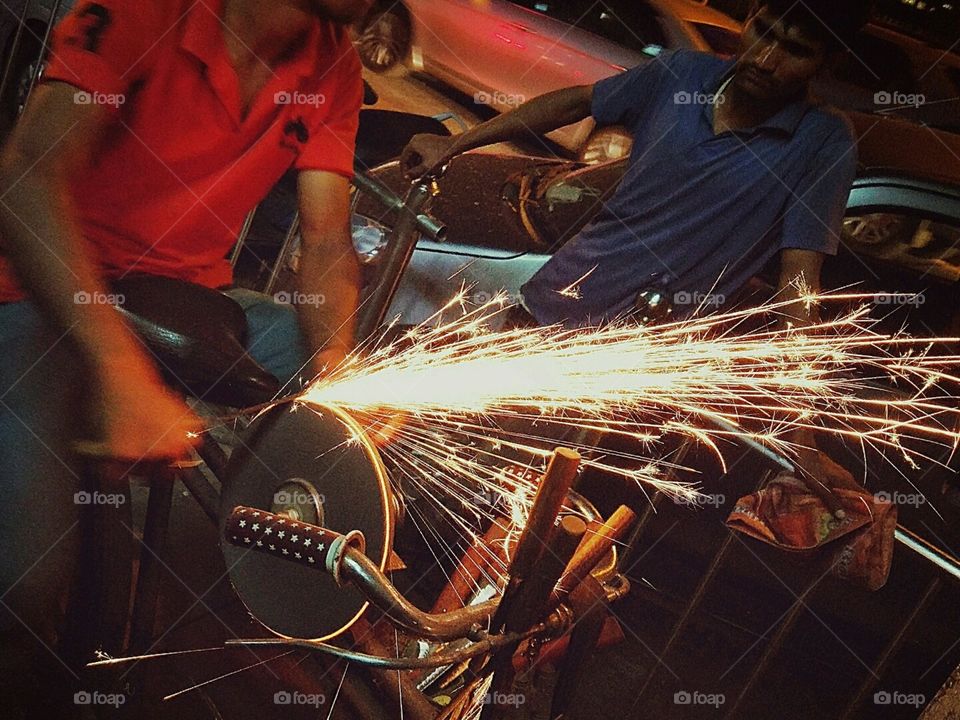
732, 164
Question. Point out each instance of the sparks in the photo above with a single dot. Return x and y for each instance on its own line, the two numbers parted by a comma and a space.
474, 401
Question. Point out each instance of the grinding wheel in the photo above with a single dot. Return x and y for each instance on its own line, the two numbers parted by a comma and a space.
317, 466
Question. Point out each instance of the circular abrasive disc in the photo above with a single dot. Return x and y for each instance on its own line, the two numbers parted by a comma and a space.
292, 459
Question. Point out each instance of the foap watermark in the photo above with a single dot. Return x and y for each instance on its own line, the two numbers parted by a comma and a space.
499, 98
300, 98
699, 299
702, 500
899, 498
697, 98
900, 298
85, 697
82, 97
888, 697
299, 298
686, 697
482, 297
898, 99
98, 298
296, 497
98, 498
298, 698
503, 699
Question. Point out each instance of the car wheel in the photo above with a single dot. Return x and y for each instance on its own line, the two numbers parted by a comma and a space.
383, 39
605, 144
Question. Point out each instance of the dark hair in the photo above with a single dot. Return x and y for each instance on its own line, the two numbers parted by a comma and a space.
833, 22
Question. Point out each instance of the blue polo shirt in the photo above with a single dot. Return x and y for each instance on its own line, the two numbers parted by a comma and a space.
696, 214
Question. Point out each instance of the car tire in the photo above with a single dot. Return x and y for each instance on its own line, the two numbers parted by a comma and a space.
383, 39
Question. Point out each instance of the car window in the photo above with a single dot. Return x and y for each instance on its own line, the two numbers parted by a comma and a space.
634, 25
722, 41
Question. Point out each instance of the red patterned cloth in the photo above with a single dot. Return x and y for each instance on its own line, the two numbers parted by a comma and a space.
787, 515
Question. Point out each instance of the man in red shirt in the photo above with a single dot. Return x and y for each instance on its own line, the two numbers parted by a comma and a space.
157, 128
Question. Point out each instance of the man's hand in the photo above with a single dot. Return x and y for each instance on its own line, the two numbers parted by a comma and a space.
426, 154
136, 417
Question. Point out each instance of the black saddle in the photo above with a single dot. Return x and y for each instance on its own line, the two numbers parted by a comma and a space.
197, 336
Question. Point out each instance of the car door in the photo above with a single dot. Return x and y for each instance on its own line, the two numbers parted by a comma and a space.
468, 43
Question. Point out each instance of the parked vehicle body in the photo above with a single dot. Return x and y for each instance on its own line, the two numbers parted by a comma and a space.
503, 52
890, 73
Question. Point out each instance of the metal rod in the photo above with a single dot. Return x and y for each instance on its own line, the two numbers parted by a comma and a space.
282, 255
156, 524
426, 225
555, 484
533, 595
242, 237
18, 36
43, 47
396, 258
593, 548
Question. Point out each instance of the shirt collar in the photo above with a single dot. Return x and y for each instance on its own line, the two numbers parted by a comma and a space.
786, 121
203, 32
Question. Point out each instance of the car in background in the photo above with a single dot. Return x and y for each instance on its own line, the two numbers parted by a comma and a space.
503, 52
890, 73
20, 58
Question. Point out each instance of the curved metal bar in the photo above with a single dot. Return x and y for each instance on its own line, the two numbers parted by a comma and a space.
362, 572
481, 647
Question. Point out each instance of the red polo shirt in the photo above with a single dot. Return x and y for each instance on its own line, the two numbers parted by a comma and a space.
181, 167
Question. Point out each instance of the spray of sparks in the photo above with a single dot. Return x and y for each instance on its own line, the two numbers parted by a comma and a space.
480, 411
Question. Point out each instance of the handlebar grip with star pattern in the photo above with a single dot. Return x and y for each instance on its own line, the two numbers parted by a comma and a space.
288, 539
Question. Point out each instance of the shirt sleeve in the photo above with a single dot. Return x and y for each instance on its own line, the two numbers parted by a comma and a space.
622, 99
333, 135
104, 46
814, 216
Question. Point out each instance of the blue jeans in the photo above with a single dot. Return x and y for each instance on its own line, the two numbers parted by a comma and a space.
40, 398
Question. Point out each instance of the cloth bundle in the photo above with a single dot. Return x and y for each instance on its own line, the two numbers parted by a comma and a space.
787, 515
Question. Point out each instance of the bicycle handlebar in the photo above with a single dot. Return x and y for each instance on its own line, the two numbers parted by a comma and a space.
342, 556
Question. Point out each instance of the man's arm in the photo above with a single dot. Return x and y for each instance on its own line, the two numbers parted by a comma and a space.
329, 269
56, 137
542, 114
